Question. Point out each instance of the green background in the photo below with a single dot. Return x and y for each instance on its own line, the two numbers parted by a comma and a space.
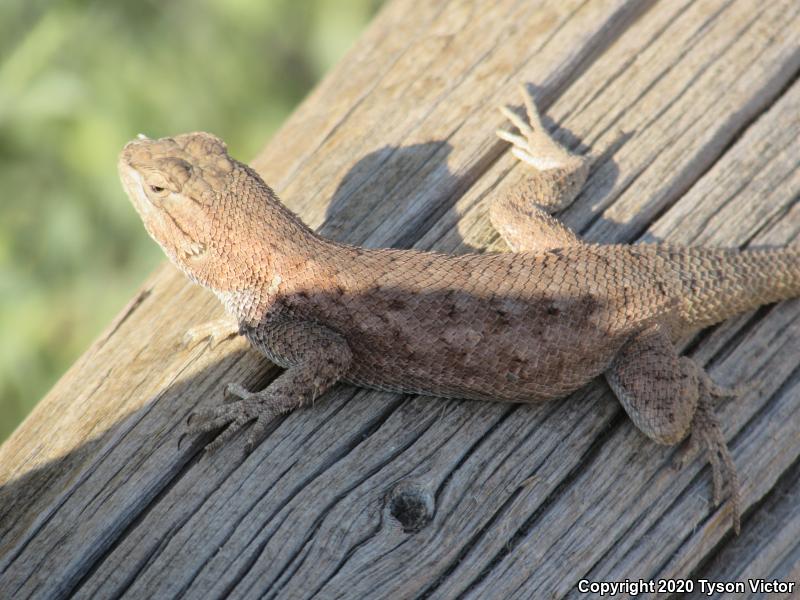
77, 80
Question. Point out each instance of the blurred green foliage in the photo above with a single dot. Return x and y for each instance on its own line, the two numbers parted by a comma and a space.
77, 80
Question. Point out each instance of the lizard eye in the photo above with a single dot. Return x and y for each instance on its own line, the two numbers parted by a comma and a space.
156, 189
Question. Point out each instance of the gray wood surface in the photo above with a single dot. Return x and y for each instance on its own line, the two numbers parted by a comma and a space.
693, 108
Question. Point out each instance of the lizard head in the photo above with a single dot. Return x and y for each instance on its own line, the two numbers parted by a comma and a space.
175, 184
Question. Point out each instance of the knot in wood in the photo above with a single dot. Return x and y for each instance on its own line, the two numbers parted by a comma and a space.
412, 505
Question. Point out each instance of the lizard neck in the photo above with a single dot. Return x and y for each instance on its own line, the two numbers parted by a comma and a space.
274, 253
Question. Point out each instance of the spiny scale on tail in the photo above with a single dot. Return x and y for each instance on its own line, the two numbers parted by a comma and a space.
719, 283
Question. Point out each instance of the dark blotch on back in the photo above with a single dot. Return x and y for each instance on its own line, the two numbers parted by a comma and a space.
396, 304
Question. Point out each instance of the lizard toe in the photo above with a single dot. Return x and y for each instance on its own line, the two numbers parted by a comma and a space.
223, 437
236, 417
723, 469
198, 426
189, 339
258, 431
686, 452
518, 122
235, 393
206, 415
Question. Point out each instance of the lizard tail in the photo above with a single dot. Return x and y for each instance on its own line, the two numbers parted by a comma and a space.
719, 283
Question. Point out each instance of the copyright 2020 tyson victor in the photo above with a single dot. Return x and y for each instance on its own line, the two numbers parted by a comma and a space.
634, 587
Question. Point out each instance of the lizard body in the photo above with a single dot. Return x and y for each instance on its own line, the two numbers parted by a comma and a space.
526, 326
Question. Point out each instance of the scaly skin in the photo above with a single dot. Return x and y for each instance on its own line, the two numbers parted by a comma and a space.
526, 326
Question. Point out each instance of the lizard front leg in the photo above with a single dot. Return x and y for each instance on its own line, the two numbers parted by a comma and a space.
668, 396
316, 358
522, 218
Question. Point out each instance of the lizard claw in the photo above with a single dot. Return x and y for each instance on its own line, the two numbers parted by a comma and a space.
257, 432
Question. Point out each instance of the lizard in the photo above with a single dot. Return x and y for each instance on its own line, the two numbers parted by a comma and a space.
529, 325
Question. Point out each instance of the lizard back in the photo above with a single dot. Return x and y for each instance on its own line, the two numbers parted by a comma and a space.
474, 326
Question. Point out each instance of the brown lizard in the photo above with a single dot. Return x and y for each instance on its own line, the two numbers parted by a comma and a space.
525, 326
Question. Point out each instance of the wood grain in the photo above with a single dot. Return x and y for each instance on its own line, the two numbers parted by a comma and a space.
693, 109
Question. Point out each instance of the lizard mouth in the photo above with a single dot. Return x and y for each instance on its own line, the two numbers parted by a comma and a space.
133, 184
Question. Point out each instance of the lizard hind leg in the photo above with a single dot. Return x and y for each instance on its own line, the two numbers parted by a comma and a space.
657, 388
668, 396
522, 217
558, 173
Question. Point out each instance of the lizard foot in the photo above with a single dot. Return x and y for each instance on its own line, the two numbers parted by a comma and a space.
706, 432
214, 331
535, 146
559, 174
241, 407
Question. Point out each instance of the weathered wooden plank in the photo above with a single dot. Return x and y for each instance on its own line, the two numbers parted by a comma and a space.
523, 498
